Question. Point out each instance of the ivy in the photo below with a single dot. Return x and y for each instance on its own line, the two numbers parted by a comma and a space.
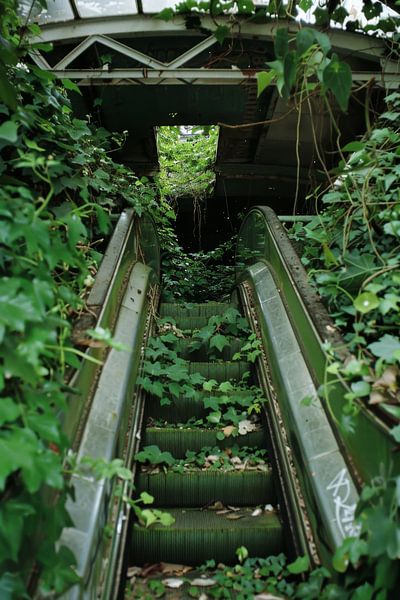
58, 186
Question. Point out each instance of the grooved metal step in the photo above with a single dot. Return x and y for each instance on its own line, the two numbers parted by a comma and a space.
202, 353
197, 536
198, 488
177, 441
183, 408
221, 371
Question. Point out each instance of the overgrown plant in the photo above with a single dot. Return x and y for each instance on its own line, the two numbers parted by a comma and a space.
58, 187
352, 253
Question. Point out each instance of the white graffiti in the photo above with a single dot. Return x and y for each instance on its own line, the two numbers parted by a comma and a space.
341, 491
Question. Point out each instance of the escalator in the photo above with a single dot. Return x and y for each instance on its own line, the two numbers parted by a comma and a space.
230, 501
279, 478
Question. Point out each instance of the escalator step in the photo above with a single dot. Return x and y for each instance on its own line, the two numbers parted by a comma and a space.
201, 354
208, 309
183, 408
197, 536
198, 488
221, 371
176, 440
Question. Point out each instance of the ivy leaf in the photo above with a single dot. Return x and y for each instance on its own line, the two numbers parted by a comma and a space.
166, 519
9, 410
354, 147
366, 302
305, 4
337, 78
175, 389
214, 417
281, 42
392, 228
209, 385
305, 38
157, 389
9, 131
219, 341
361, 388
387, 347
70, 85
225, 387
264, 79
146, 498
300, 565
289, 72
221, 33
167, 14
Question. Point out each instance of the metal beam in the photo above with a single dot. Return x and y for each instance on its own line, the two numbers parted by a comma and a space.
200, 76
113, 45
195, 51
352, 44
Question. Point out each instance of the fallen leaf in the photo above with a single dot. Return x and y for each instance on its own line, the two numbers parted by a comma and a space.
134, 571
149, 569
174, 569
228, 430
173, 582
376, 397
203, 582
234, 516
388, 379
234, 508
269, 508
216, 506
257, 512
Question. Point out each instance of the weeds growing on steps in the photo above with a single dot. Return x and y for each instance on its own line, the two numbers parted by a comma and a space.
196, 277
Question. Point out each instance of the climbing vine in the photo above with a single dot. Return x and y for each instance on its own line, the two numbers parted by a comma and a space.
58, 186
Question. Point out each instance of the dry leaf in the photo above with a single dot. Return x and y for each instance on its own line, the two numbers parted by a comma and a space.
134, 571
257, 512
376, 397
234, 516
216, 506
228, 430
154, 568
174, 569
173, 582
388, 379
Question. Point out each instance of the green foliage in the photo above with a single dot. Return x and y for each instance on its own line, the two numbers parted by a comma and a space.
211, 273
212, 458
186, 161
329, 14
304, 63
58, 186
352, 252
370, 561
